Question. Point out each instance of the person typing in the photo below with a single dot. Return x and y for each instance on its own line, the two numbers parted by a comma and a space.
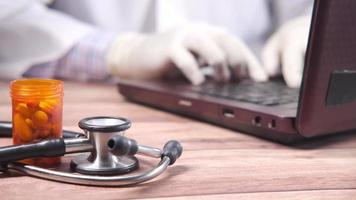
86, 40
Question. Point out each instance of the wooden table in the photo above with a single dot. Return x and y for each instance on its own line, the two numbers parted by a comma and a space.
216, 163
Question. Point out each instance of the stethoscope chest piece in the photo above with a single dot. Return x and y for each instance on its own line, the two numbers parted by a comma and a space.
100, 161
92, 165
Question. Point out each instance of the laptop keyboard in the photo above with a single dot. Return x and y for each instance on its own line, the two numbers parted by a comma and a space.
270, 93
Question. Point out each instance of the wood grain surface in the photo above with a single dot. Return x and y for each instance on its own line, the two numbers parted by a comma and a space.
217, 163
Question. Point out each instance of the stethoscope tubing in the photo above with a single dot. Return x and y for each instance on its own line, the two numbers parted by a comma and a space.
120, 180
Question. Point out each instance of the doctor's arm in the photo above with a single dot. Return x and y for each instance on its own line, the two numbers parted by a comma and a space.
100, 56
57, 45
84, 61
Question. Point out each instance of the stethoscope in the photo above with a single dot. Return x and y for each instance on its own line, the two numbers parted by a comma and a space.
109, 154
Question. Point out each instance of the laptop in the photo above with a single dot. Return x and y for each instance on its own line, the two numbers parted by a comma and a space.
324, 104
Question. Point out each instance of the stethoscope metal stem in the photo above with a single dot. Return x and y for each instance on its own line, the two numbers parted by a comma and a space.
77, 145
149, 151
122, 180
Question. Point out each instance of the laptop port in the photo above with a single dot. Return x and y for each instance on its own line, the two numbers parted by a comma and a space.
257, 121
185, 103
228, 113
272, 124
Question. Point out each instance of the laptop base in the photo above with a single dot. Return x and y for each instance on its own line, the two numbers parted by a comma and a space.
275, 126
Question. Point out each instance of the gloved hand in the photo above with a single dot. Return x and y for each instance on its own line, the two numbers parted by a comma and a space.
286, 48
148, 56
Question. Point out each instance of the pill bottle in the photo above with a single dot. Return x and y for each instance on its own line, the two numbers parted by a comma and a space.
37, 114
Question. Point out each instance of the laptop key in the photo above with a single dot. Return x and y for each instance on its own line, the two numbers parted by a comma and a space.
269, 94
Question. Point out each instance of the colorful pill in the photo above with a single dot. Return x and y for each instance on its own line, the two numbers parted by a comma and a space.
44, 133
30, 123
23, 110
22, 128
45, 106
40, 118
52, 102
32, 105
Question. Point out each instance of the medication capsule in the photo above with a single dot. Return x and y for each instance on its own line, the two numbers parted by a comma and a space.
45, 133
25, 133
46, 106
30, 123
39, 118
32, 105
52, 102
23, 110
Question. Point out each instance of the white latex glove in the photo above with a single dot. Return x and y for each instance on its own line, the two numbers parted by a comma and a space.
286, 48
148, 56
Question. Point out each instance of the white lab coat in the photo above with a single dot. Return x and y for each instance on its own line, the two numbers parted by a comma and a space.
31, 33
